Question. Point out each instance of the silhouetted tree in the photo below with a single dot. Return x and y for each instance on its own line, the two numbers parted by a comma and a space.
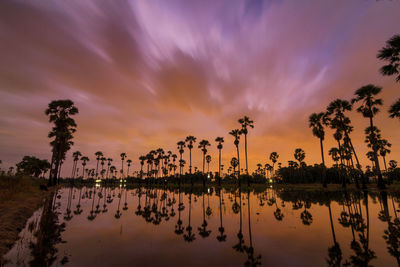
317, 122
60, 112
219, 140
236, 134
245, 122
369, 108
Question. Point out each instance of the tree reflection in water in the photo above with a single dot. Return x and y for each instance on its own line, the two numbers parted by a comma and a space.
161, 204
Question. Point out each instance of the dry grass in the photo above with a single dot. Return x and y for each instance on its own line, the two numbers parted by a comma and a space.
19, 198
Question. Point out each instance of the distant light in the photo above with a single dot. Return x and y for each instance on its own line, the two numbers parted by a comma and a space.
270, 180
98, 181
208, 176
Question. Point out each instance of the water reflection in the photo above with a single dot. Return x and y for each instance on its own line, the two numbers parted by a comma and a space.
261, 226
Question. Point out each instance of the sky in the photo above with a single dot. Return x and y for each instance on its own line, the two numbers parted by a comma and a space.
145, 74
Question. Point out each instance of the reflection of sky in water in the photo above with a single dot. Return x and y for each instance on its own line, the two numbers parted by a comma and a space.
129, 240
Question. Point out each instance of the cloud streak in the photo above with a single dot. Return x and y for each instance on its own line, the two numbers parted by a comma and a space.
144, 74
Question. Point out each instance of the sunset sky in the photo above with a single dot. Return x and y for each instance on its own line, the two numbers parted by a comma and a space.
145, 74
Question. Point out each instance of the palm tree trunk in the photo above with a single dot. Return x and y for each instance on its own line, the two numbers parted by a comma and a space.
381, 184
245, 151
237, 148
219, 168
341, 166
363, 182
204, 157
323, 164
384, 162
73, 169
97, 168
332, 227
190, 161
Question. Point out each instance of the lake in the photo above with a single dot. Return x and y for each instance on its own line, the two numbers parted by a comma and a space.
171, 226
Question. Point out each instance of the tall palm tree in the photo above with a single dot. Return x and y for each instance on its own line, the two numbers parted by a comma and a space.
76, 155
160, 155
181, 145
391, 54
383, 148
123, 156
234, 164
208, 160
189, 141
246, 122
108, 165
316, 122
129, 162
102, 162
84, 160
174, 157
236, 134
112, 170
340, 122
203, 146
219, 140
98, 155
142, 160
274, 158
369, 108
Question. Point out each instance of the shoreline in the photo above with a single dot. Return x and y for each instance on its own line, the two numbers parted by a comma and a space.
19, 199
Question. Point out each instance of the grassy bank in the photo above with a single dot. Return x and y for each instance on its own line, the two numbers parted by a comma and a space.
19, 198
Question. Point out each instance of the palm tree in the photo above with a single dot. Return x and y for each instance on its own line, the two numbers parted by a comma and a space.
369, 108
316, 122
219, 140
142, 160
98, 155
84, 159
236, 133
274, 158
341, 123
299, 155
189, 141
246, 122
108, 165
174, 156
160, 155
394, 110
129, 162
181, 145
391, 53
76, 155
234, 164
123, 156
112, 170
102, 162
334, 153
383, 148
203, 146
208, 160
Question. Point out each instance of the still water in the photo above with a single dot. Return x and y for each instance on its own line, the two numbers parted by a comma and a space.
101, 226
